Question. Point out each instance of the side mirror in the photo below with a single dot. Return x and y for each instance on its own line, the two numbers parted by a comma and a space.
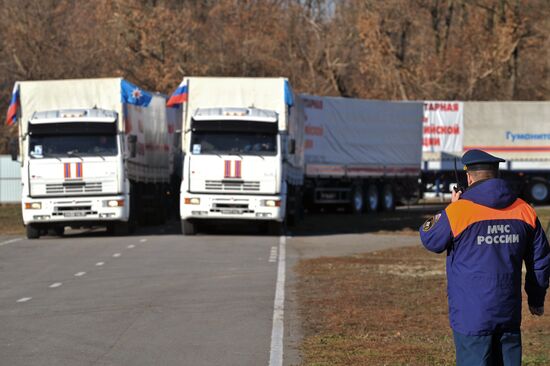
14, 149
292, 147
132, 145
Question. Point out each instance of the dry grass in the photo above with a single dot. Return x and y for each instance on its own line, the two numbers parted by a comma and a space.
389, 308
11, 221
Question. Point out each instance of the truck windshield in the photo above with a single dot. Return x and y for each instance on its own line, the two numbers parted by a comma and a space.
243, 143
68, 145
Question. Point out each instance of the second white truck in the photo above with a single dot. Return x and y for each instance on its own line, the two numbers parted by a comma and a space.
242, 141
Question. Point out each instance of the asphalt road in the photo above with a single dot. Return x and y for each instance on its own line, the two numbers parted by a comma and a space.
159, 298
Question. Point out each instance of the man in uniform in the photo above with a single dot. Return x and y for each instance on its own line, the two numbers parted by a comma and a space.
487, 233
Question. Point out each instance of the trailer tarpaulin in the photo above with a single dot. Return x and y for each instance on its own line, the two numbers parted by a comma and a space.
361, 137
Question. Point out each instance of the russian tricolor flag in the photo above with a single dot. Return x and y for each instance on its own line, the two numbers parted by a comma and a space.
11, 117
179, 96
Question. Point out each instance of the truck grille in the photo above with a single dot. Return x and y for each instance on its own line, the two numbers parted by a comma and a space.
74, 187
232, 186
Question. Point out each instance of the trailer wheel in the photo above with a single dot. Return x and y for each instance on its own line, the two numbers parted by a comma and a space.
538, 191
32, 232
388, 198
59, 230
188, 228
357, 200
373, 198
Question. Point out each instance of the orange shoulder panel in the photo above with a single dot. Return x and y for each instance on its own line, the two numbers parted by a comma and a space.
464, 213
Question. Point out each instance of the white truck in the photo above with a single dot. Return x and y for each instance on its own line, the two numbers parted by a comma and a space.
364, 155
243, 156
516, 131
94, 152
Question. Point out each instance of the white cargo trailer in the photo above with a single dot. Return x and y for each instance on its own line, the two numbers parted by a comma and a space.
516, 131
362, 154
242, 142
93, 152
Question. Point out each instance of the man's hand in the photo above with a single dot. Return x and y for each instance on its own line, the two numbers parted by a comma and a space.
538, 311
455, 195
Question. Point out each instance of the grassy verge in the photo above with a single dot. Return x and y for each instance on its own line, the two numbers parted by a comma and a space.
11, 222
389, 308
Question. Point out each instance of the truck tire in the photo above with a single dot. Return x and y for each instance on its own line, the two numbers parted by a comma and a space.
188, 228
538, 191
275, 228
357, 200
294, 207
388, 198
59, 230
373, 199
32, 232
119, 228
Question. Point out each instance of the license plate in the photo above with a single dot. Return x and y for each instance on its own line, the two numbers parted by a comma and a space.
74, 214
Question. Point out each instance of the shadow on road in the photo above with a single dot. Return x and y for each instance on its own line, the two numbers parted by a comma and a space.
404, 220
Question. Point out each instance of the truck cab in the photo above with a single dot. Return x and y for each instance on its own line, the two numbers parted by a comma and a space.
234, 167
72, 170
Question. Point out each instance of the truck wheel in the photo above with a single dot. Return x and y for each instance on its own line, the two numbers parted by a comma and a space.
187, 228
119, 228
32, 232
59, 230
296, 213
357, 201
373, 198
538, 191
275, 228
388, 198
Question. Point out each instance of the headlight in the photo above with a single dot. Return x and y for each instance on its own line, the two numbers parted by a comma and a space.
113, 203
192, 201
33, 205
271, 203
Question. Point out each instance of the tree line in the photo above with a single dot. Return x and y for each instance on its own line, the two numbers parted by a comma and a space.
374, 49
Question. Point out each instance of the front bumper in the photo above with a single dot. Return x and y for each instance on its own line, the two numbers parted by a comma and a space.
75, 209
247, 207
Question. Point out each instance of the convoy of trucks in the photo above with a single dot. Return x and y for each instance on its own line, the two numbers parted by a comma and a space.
104, 152
94, 152
515, 131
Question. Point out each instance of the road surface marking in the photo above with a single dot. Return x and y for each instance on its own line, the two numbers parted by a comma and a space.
10, 241
24, 299
80, 274
143, 240
116, 255
54, 285
276, 352
99, 264
273, 255
131, 246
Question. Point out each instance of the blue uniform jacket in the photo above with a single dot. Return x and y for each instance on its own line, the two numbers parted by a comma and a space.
487, 234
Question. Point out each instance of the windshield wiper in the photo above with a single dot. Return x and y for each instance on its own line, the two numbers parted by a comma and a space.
234, 153
73, 153
256, 153
101, 156
49, 156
